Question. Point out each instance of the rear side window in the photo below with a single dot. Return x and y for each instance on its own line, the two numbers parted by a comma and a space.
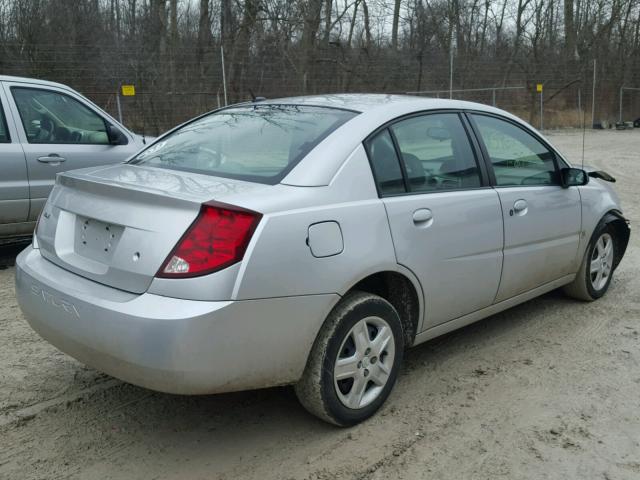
52, 117
518, 158
259, 143
4, 132
384, 162
436, 153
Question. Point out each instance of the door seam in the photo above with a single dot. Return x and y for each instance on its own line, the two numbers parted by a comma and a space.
503, 246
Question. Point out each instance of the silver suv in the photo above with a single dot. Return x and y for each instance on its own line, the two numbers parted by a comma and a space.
47, 128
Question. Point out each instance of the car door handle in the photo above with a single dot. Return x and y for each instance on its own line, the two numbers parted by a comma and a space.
423, 217
520, 207
52, 158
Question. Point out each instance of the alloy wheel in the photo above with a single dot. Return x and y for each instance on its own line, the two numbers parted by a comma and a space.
364, 362
601, 262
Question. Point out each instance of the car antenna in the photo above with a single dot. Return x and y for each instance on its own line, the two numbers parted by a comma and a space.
584, 132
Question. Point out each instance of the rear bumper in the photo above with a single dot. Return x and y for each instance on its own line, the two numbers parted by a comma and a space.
168, 344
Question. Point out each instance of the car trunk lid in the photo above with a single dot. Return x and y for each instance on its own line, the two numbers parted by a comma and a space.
116, 225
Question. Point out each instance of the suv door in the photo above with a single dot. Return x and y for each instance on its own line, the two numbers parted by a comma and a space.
14, 184
542, 220
445, 220
59, 132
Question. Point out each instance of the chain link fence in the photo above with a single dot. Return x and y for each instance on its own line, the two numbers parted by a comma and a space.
182, 83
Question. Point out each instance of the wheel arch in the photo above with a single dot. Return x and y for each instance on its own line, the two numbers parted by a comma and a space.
621, 226
402, 290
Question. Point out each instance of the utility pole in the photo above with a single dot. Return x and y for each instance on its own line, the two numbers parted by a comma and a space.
593, 96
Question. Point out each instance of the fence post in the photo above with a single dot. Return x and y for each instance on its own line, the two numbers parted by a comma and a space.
579, 100
451, 66
224, 78
620, 115
593, 96
541, 110
494, 97
119, 107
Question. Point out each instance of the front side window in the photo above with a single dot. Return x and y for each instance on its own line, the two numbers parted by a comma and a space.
436, 153
4, 133
52, 117
259, 143
518, 158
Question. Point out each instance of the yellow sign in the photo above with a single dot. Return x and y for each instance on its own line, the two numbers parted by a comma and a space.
538, 88
128, 90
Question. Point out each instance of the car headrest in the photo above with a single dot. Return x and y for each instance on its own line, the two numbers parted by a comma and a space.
415, 170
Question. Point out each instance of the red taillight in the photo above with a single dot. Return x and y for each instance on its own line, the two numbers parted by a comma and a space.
216, 239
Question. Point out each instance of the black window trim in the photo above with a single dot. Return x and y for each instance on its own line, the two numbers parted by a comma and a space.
485, 182
3, 114
38, 88
558, 161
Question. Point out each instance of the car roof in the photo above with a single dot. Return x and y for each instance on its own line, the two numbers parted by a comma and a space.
33, 81
367, 102
321, 164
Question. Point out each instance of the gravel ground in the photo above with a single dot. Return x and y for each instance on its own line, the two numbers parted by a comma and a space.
549, 389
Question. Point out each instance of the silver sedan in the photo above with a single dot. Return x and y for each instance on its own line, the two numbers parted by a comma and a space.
310, 241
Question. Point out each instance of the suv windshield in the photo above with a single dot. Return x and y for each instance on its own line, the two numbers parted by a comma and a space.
259, 143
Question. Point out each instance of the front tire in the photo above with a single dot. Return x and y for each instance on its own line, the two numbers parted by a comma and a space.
354, 361
595, 274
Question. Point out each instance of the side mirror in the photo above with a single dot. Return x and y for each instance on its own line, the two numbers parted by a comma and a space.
574, 177
115, 136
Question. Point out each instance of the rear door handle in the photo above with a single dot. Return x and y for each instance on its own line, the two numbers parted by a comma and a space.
423, 217
52, 158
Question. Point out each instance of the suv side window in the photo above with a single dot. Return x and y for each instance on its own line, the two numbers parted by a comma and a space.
384, 162
518, 158
436, 153
4, 132
52, 117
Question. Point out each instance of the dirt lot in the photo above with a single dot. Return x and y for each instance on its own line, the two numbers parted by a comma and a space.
549, 389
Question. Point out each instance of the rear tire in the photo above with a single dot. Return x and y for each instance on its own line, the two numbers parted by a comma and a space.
595, 274
354, 361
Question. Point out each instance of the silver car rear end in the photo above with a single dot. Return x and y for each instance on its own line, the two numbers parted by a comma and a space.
169, 344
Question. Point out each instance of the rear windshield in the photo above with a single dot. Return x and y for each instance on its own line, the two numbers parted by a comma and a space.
258, 143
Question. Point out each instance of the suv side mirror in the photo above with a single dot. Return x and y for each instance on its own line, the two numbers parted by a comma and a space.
115, 136
574, 177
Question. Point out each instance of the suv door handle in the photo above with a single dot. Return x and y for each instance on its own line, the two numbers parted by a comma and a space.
52, 158
423, 217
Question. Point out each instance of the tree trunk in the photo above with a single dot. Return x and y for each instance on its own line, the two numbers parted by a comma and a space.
241, 50
328, 6
312, 13
395, 23
352, 25
204, 28
569, 31
173, 34
226, 24
367, 24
